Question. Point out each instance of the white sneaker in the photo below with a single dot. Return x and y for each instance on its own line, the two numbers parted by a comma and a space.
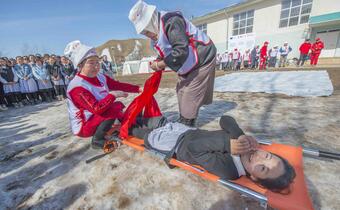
3, 107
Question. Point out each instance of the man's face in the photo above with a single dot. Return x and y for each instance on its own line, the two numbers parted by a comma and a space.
64, 60
2, 62
150, 35
20, 60
261, 164
32, 59
26, 60
91, 66
52, 60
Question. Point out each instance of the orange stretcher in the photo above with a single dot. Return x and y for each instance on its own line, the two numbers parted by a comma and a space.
297, 199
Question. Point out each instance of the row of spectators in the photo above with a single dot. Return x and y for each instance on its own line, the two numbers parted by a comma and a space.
29, 80
261, 58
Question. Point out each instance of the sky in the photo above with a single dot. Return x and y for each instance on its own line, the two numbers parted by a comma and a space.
46, 26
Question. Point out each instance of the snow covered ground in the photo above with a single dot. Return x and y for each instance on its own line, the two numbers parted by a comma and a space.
42, 166
292, 83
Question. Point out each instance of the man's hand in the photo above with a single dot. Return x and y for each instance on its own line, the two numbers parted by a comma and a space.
157, 65
243, 145
119, 94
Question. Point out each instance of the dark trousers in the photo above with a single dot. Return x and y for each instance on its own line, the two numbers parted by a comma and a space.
2, 95
30, 96
302, 59
246, 64
14, 97
46, 95
272, 61
98, 138
254, 62
144, 126
60, 90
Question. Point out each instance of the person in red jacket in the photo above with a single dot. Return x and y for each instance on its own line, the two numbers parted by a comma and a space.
304, 50
316, 51
263, 55
92, 97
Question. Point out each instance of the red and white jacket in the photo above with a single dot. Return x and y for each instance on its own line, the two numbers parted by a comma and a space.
236, 55
88, 97
246, 57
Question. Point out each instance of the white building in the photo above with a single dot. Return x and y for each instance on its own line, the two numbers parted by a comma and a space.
254, 21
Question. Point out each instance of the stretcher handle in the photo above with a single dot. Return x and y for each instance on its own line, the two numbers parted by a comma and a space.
330, 155
312, 152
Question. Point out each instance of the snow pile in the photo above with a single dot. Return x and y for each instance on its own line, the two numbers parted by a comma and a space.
136, 52
292, 83
119, 47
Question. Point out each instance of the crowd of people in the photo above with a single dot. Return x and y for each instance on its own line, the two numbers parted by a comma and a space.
33, 79
261, 58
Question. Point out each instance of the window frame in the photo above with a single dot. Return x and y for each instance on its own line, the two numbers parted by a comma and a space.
247, 18
287, 21
203, 27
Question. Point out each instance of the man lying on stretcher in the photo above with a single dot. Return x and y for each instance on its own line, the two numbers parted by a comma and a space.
227, 153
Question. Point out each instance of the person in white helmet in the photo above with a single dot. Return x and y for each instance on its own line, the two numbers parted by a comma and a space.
183, 48
92, 97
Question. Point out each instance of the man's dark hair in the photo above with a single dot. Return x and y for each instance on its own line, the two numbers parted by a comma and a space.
282, 182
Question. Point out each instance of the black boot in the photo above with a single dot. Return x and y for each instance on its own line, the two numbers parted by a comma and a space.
97, 143
98, 139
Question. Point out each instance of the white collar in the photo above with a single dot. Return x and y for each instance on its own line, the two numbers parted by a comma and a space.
238, 164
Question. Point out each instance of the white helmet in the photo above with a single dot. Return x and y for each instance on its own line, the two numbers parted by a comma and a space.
140, 15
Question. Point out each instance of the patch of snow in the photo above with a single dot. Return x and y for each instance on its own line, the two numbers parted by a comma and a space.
136, 52
292, 83
119, 47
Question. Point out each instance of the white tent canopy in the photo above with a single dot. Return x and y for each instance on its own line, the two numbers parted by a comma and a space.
138, 67
107, 53
131, 67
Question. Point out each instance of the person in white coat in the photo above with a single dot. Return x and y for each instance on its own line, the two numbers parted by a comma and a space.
28, 86
42, 76
273, 56
183, 48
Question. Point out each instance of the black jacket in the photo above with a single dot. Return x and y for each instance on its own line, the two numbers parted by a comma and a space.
174, 25
54, 70
211, 149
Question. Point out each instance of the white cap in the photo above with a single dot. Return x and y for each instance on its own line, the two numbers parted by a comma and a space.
78, 52
140, 15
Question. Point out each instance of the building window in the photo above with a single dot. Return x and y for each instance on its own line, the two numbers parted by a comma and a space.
294, 12
203, 28
243, 23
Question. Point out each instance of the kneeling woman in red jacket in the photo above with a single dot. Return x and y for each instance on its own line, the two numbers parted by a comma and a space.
91, 96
